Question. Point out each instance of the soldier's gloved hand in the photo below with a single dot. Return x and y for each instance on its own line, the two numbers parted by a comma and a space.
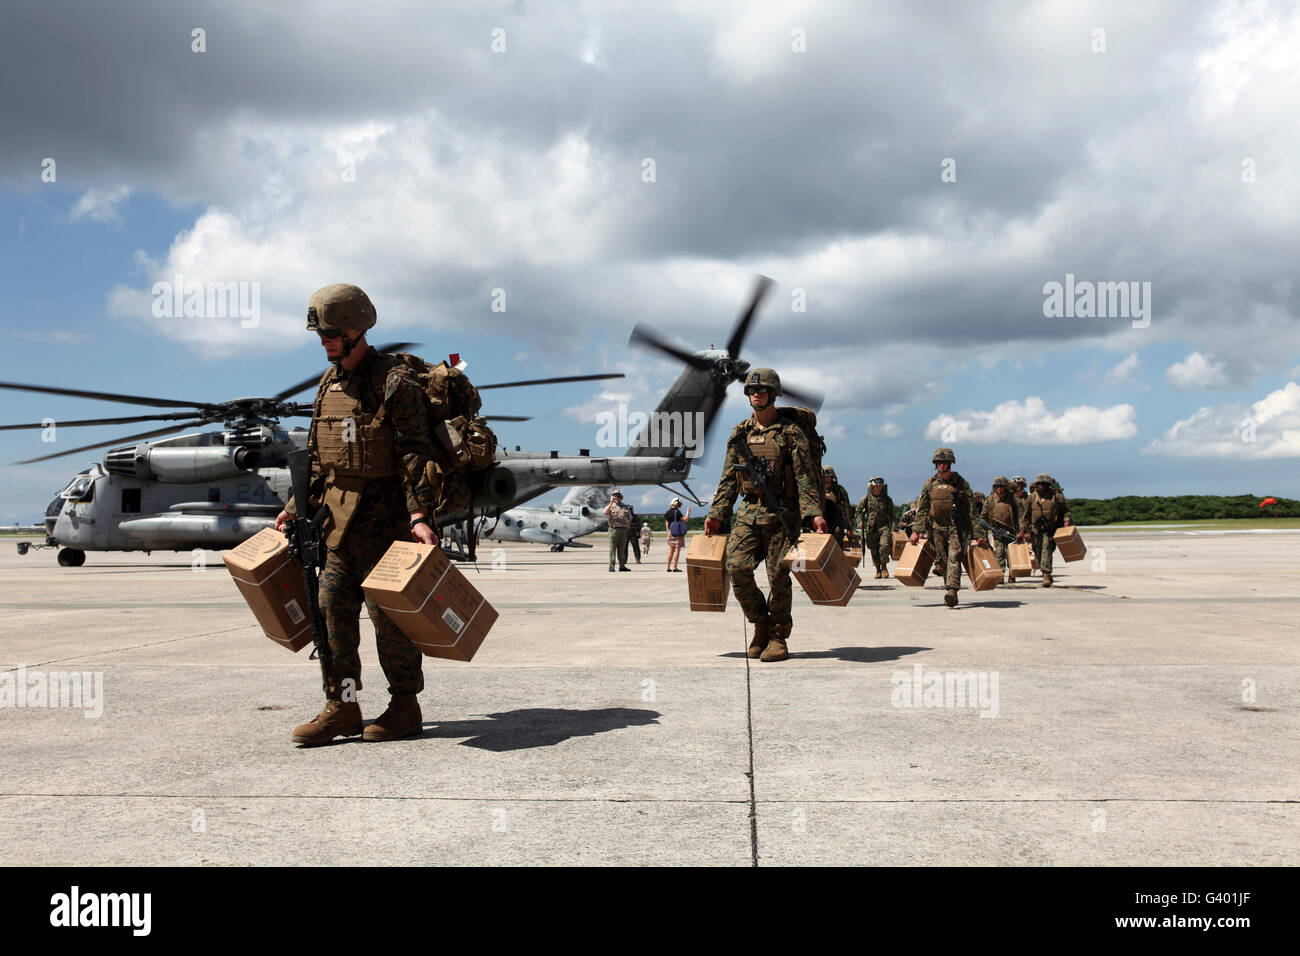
916, 538
1068, 522
982, 542
283, 518
820, 525
711, 526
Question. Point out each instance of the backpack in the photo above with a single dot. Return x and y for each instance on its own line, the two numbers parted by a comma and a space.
805, 419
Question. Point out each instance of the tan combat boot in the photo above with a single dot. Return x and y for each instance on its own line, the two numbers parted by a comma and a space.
775, 650
950, 597
336, 720
401, 719
1047, 579
759, 640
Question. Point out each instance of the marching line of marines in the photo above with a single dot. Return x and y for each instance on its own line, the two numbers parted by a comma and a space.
758, 534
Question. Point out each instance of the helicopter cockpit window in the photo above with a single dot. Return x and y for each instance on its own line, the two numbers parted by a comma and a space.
55, 506
82, 488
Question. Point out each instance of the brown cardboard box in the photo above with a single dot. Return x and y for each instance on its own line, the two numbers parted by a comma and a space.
822, 570
982, 567
914, 564
1020, 558
900, 542
706, 572
854, 557
271, 582
1069, 544
435, 605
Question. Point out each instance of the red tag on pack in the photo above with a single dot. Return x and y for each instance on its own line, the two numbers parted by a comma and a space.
453, 359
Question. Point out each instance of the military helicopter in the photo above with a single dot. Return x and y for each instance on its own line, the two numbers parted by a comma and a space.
212, 490
580, 513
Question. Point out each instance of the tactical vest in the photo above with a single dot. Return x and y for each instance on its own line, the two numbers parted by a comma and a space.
942, 495
1004, 512
619, 517
1040, 507
764, 445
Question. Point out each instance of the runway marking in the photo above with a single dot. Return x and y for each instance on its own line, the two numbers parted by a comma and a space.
680, 800
116, 650
749, 723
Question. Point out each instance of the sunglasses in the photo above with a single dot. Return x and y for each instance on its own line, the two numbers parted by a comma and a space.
329, 333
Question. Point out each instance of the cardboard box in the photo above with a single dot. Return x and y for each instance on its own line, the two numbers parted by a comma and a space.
706, 572
271, 582
1020, 559
822, 570
983, 569
914, 564
900, 542
1069, 544
854, 557
426, 595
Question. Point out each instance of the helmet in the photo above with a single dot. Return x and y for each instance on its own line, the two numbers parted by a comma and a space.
1000, 480
763, 378
944, 454
877, 480
1044, 479
830, 474
1018, 480
615, 493
979, 496
340, 306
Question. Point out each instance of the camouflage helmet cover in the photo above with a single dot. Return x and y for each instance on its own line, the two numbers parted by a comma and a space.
1018, 480
1044, 479
877, 480
763, 378
944, 454
1000, 480
340, 305
830, 474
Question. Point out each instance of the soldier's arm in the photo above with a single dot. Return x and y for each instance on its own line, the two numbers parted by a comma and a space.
810, 496
921, 523
728, 487
413, 439
1065, 509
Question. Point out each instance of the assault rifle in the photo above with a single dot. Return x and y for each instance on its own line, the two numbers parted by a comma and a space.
998, 531
305, 544
760, 475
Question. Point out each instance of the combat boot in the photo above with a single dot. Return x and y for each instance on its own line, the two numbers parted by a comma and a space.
950, 597
1047, 579
336, 720
759, 640
401, 719
775, 650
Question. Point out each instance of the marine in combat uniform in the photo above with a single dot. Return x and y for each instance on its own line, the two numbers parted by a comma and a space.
876, 512
371, 448
756, 533
944, 496
620, 520
1047, 512
837, 508
1001, 511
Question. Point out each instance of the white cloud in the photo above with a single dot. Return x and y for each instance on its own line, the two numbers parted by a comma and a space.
1030, 423
885, 430
1269, 428
1123, 373
99, 204
1196, 371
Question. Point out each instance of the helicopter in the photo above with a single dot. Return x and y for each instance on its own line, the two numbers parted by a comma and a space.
580, 513
212, 490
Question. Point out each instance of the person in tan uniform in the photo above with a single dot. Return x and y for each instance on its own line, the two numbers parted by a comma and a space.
620, 520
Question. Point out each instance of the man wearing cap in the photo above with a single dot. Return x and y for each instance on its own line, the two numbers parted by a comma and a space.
620, 519
1000, 510
1047, 512
370, 447
757, 534
876, 512
944, 497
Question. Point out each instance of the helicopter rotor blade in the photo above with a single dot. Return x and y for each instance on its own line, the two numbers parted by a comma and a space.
109, 396
812, 399
738, 334
508, 418
554, 381
101, 421
641, 335
118, 441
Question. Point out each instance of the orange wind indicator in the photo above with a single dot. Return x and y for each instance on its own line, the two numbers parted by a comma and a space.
1268, 501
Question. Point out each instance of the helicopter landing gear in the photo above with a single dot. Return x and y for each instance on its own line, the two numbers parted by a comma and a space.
72, 558
557, 547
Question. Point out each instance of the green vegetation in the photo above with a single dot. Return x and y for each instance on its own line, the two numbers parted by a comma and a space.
1130, 508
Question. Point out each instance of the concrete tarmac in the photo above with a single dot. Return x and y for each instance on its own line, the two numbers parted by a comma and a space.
1141, 712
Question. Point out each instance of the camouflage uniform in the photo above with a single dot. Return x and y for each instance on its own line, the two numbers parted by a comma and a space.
381, 516
757, 534
1045, 514
941, 529
837, 503
1002, 513
876, 513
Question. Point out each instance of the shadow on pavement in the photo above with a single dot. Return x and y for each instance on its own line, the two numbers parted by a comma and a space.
537, 726
855, 655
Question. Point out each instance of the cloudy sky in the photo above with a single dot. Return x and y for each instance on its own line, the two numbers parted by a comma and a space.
914, 177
